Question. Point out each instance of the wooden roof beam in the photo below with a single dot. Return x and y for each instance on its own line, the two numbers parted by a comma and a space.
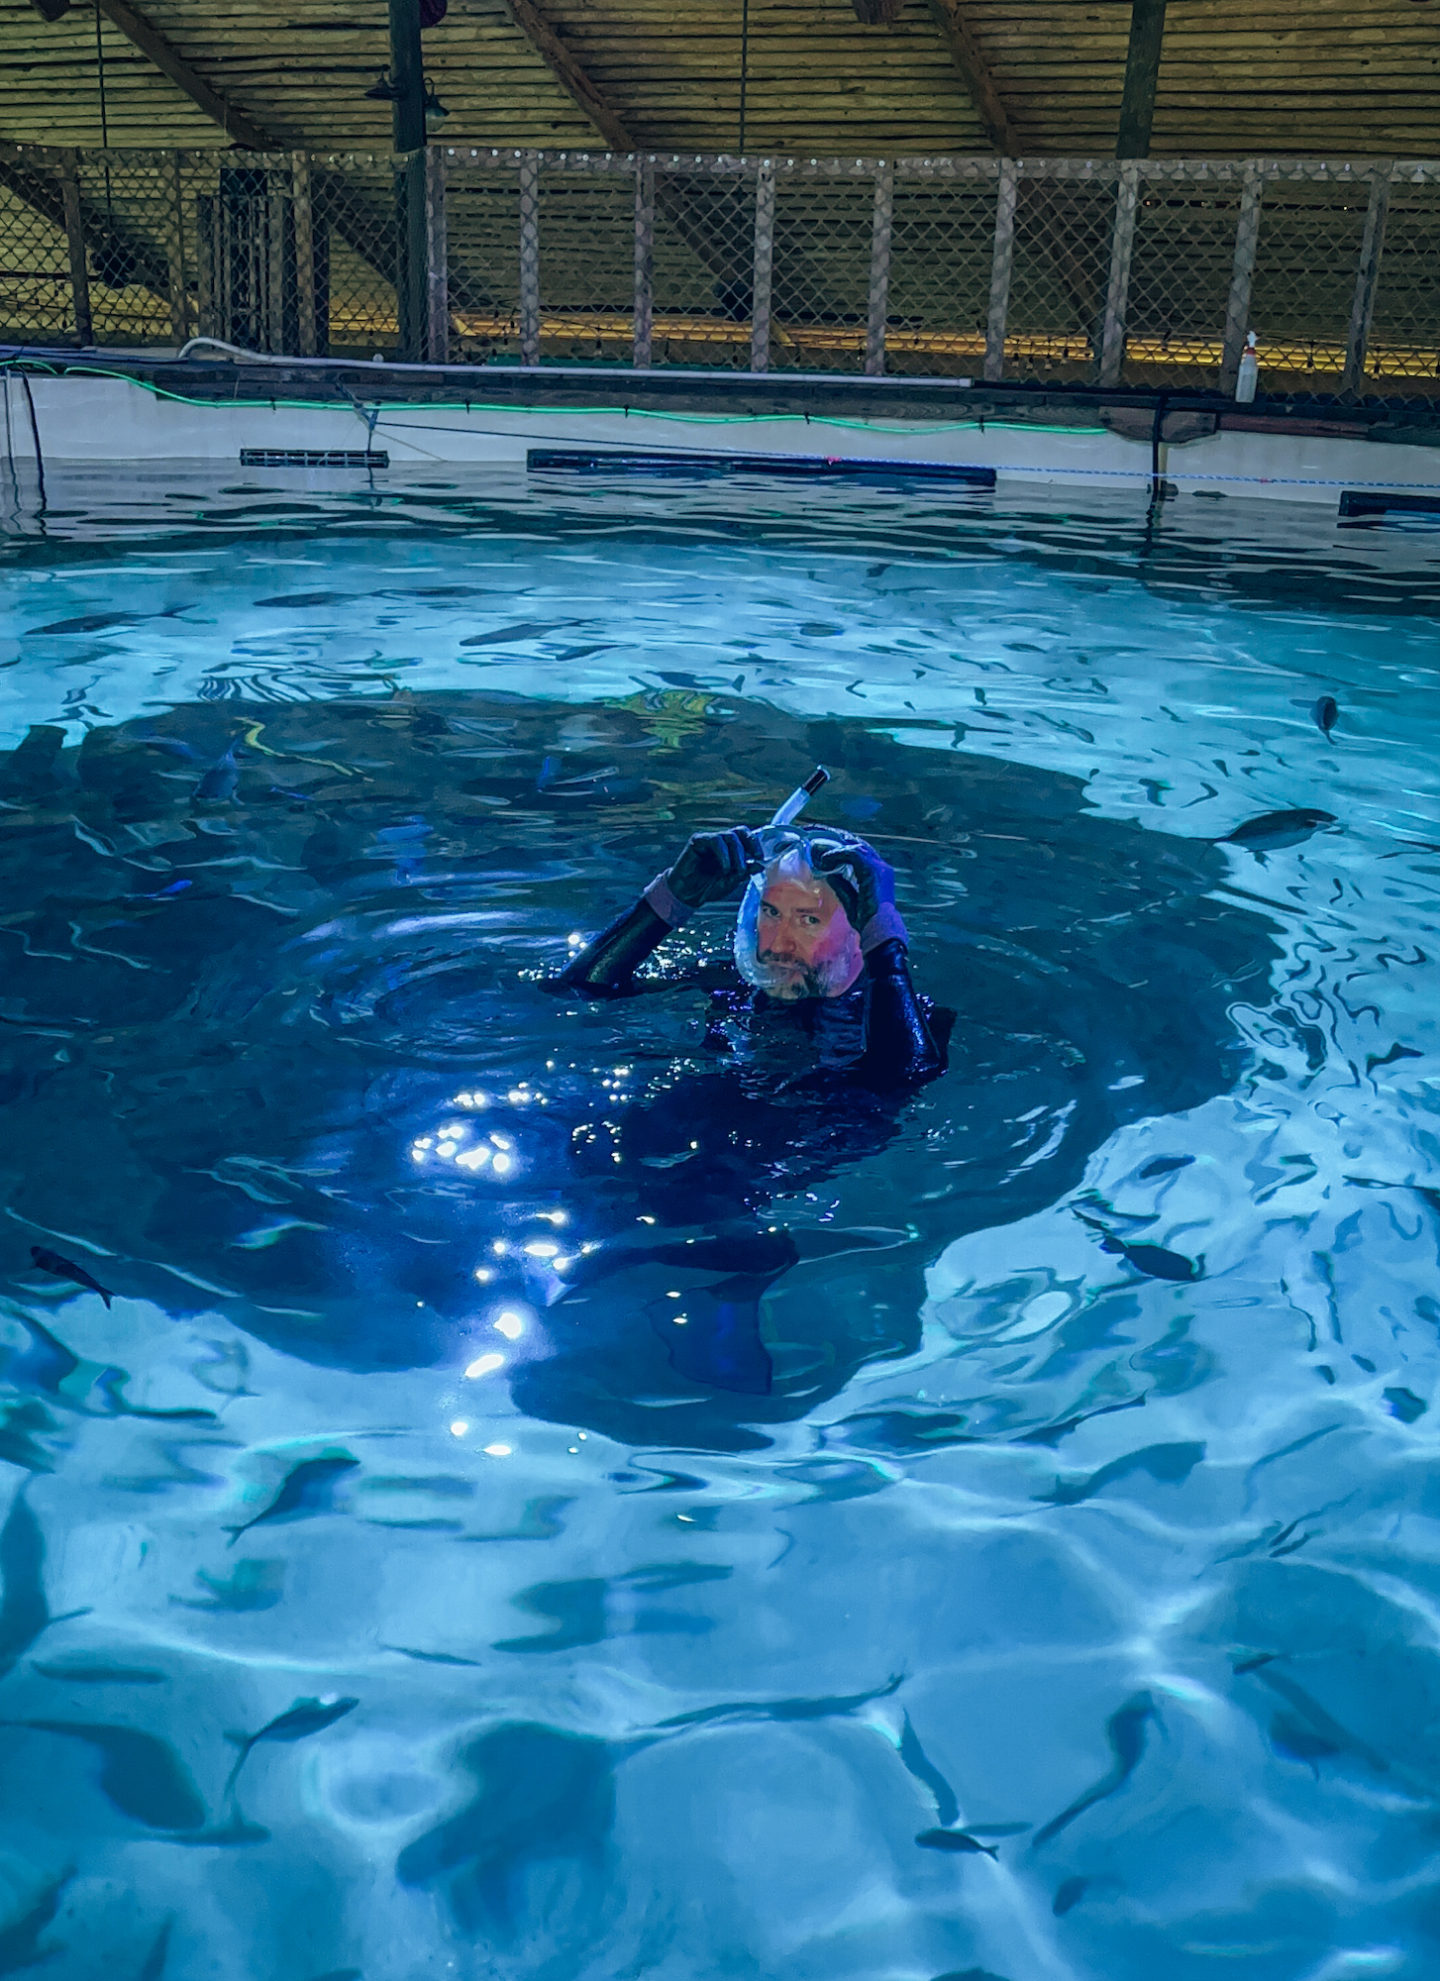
1142, 76
974, 71
577, 84
167, 58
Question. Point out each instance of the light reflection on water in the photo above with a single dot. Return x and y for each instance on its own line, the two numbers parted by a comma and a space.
1125, 1578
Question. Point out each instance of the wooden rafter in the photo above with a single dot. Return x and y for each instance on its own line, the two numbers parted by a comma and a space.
578, 85
974, 72
1142, 76
168, 59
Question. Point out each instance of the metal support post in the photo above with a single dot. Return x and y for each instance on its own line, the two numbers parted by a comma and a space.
1242, 278
530, 258
763, 267
881, 228
437, 261
1367, 277
75, 241
644, 323
1002, 263
1117, 294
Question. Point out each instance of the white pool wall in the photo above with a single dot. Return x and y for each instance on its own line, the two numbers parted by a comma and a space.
116, 421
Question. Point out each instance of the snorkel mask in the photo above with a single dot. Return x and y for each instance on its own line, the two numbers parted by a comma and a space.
793, 939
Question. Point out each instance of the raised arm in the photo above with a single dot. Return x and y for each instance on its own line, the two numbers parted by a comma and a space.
712, 866
900, 1048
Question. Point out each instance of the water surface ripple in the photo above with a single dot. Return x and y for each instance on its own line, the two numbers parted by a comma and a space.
392, 1587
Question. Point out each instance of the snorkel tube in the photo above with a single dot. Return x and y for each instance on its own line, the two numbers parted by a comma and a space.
795, 804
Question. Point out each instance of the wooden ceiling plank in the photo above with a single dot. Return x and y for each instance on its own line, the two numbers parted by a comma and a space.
970, 65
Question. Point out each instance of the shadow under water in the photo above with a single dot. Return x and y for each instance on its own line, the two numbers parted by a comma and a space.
276, 1042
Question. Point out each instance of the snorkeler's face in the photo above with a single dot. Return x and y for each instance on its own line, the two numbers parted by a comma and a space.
804, 941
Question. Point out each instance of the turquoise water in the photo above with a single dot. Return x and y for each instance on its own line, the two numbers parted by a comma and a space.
387, 1593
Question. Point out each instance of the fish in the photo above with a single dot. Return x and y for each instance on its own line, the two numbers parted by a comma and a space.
307, 1488
1170, 1464
62, 1268
1125, 1731
298, 1722
94, 622
154, 1964
255, 1585
139, 1773
955, 1840
914, 1758
305, 598
786, 1710
526, 629
112, 1382
1325, 714
1374, 1061
1164, 1165
1155, 1261
218, 784
1271, 830
100, 1674
20, 1943
24, 1612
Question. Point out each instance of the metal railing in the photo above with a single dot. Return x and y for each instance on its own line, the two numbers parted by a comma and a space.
1141, 273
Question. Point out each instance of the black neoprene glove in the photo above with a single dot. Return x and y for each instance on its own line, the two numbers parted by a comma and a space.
714, 866
863, 882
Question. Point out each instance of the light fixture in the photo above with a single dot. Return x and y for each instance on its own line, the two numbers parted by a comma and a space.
382, 90
435, 111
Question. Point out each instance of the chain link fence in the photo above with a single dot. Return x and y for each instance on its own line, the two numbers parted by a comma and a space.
1043, 271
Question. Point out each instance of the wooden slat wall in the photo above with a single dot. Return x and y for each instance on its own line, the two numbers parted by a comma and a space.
1295, 77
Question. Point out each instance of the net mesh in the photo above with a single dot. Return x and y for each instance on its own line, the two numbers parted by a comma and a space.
894, 268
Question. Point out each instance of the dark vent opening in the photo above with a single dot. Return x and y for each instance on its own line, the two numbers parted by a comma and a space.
312, 457
578, 461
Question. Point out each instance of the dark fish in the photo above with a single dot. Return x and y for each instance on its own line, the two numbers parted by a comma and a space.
1163, 1165
432, 1657
1155, 1261
93, 622
24, 1613
1373, 1061
786, 1709
305, 1717
1272, 830
305, 598
139, 1774
439, 591
218, 784
59, 1268
112, 1382
1169, 1464
917, 1761
154, 1966
1290, 1736
1404, 1404
20, 1944
1125, 1731
100, 1674
307, 1489
1325, 714
527, 629
956, 1840
255, 1585
584, 653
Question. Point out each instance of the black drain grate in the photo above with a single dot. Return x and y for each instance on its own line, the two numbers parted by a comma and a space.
312, 457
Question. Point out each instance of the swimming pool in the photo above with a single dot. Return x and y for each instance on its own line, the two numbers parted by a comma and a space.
385, 1595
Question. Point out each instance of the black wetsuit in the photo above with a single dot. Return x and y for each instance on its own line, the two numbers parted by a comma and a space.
806, 1086
880, 1034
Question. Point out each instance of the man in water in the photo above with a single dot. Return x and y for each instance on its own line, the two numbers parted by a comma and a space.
819, 939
